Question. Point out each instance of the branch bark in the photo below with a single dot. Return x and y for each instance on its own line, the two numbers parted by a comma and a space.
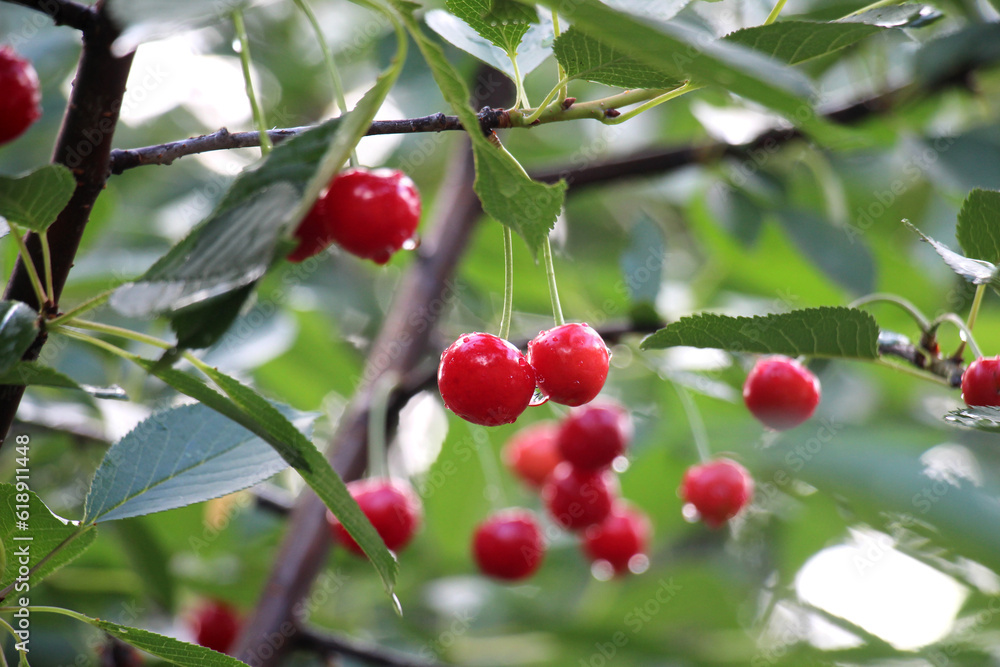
332, 645
63, 12
83, 145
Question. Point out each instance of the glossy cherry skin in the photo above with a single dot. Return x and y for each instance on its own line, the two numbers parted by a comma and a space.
781, 392
509, 545
981, 382
577, 498
485, 380
593, 436
718, 489
20, 95
369, 213
532, 453
624, 534
571, 363
391, 505
215, 626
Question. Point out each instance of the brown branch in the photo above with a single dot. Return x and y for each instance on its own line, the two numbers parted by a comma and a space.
332, 645
63, 12
83, 145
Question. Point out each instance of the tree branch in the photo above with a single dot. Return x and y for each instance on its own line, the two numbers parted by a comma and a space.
63, 12
327, 644
83, 145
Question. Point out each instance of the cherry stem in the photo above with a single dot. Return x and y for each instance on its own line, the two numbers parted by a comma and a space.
43, 239
976, 303
559, 90
522, 96
964, 333
258, 114
773, 16
378, 414
508, 283
491, 473
696, 423
89, 304
120, 332
331, 65
29, 265
562, 85
23, 659
683, 89
550, 274
884, 297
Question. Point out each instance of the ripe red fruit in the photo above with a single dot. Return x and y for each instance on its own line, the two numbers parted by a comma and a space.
781, 392
622, 535
570, 362
485, 380
578, 498
21, 96
392, 506
371, 214
215, 625
532, 453
981, 382
592, 437
509, 545
718, 490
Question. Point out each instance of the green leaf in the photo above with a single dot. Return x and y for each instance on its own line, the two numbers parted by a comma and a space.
247, 408
685, 53
502, 22
175, 458
166, 648
34, 200
584, 57
975, 271
973, 47
45, 530
794, 42
224, 256
33, 373
148, 20
896, 16
507, 193
981, 418
815, 332
979, 226
661, 10
149, 559
534, 49
18, 330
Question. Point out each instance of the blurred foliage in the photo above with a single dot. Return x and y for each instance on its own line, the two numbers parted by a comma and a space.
803, 226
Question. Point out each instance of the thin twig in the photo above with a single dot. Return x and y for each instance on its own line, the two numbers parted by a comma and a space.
328, 644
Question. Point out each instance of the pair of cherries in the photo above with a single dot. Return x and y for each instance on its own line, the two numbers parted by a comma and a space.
486, 380
569, 464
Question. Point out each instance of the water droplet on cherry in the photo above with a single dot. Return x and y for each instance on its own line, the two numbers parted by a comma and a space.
538, 398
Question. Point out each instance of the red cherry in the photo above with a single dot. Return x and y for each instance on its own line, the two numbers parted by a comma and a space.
570, 362
215, 625
509, 545
578, 498
485, 380
371, 214
21, 96
532, 454
781, 392
718, 490
592, 437
391, 505
623, 534
981, 382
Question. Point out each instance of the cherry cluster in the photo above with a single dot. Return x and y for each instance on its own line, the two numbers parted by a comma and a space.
21, 97
368, 213
484, 379
569, 464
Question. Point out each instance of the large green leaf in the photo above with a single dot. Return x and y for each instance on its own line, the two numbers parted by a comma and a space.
34, 200
908, 15
18, 330
981, 418
815, 332
174, 458
247, 408
502, 22
148, 20
583, 57
979, 226
30, 531
166, 648
684, 53
661, 10
535, 46
507, 193
798, 41
226, 254
33, 373
975, 271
